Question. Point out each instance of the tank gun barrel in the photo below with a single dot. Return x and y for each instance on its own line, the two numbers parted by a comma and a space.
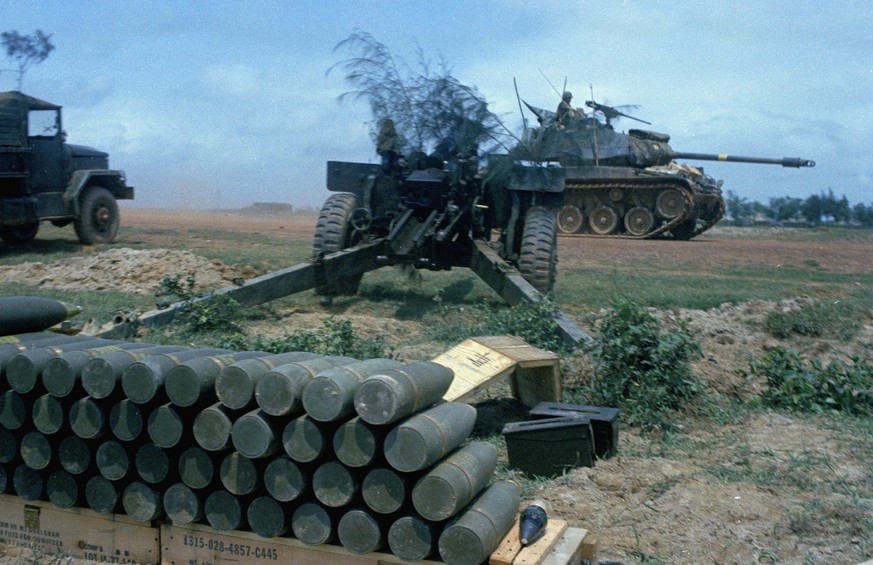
794, 162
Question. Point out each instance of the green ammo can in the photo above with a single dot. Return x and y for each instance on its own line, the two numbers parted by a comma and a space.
550, 446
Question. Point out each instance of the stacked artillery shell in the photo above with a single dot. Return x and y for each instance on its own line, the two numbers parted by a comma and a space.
324, 449
19, 314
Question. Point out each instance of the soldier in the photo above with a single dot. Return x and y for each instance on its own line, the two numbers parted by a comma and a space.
565, 109
386, 144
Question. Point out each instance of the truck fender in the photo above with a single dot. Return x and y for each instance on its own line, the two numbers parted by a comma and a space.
113, 181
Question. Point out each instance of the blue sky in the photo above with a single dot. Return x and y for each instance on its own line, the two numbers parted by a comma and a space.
221, 104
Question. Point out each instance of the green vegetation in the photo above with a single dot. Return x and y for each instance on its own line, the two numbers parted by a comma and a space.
534, 323
338, 337
800, 384
201, 312
641, 369
838, 319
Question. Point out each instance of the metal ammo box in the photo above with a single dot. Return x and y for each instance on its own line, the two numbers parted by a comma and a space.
547, 447
604, 422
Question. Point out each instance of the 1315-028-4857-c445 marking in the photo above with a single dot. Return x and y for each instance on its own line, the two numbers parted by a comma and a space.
232, 548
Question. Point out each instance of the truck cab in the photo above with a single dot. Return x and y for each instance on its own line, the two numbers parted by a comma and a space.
43, 178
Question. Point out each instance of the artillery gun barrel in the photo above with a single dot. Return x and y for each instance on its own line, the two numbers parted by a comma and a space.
794, 162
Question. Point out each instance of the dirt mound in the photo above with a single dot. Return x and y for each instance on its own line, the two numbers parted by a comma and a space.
125, 270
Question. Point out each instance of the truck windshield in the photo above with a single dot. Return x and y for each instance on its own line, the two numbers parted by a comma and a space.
42, 123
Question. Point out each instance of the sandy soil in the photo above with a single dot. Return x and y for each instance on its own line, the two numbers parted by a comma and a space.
769, 488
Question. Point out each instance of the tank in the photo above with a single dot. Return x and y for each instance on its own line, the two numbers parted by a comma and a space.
627, 184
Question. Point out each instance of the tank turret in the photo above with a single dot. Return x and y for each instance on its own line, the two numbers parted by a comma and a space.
628, 184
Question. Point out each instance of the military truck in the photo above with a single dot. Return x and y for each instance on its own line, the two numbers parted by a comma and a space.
43, 178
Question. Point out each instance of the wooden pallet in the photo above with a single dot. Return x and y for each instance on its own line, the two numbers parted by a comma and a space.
480, 361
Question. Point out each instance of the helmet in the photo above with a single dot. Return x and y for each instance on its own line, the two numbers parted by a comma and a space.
567, 95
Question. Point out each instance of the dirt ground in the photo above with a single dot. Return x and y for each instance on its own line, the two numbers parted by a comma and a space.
767, 488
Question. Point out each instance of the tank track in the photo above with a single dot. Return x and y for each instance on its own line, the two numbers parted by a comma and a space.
622, 196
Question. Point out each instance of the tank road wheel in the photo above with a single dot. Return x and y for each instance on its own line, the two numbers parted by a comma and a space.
538, 254
334, 232
98, 216
569, 219
639, 221
669, 203
22, 233
603, 220
684, 230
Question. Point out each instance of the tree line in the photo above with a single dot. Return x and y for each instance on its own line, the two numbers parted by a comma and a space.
817, 209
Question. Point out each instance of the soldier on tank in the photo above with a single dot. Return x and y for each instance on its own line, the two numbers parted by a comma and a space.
565, 109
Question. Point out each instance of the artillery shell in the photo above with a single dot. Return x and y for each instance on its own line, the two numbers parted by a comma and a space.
361, 532
102, 375
48, 414
314, 524
182, 504
280, 391
256, 434
224, 511
235, 385
285, 480
103, 495
193, 382
334, 484
74, 455
142, 502
36, 450
239, 475
452, 484
143, 380
330, 395
196, 468
212, 427
478, 530
63, 490
152, 463
413, 538
87, 418
391, 395
113, 460
27, 482
126, 420
268, 518
20, 314
357, 443
426, 437
385, 490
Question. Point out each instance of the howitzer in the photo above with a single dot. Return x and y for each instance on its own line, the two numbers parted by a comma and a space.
436, 212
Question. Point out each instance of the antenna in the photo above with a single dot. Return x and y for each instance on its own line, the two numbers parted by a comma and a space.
550, 82
520, 109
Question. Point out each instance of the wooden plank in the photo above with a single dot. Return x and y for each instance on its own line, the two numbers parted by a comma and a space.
77, 532
509, 547
196, 544
532, 385
568, 549
534, 553
511, 552
589, 548
475, 366
519, 350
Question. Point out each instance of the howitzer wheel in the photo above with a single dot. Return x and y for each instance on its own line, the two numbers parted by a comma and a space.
603, 220
22, 233
639, 221
670, 203
98, 218
569, 219
333, 232
538, 253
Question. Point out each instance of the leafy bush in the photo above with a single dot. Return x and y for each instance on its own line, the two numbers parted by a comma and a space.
837, 319
640, 368
803, 385
201, 312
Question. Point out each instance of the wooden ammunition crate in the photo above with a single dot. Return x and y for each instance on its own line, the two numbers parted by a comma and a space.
77, 532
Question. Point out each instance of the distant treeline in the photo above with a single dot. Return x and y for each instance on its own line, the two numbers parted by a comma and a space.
824, 208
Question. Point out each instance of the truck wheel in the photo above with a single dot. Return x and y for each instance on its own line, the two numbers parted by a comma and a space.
22, 233
98, 216
333, 232
538, 254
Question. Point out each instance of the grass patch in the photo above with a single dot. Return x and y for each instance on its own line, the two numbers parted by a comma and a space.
837, 319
